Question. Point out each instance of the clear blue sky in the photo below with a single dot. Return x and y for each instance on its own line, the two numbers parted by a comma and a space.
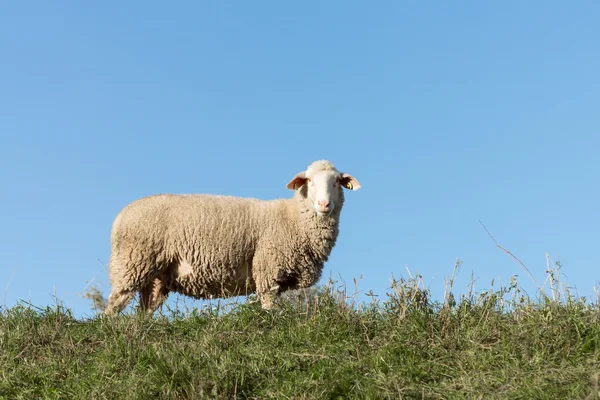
447, 113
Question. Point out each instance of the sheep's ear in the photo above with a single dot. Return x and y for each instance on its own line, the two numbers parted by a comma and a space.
349, 182
297, 181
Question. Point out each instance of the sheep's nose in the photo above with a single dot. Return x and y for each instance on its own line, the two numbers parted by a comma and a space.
323, 204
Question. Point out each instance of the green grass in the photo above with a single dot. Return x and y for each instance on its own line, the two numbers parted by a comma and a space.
499, 344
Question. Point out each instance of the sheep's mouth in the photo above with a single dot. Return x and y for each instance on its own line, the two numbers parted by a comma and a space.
325, 213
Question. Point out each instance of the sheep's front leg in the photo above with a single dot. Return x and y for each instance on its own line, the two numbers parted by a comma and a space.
267, 287
267, 298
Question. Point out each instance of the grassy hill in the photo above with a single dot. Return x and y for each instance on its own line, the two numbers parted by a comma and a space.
499, 344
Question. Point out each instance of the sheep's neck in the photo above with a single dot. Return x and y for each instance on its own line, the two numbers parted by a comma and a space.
320, 232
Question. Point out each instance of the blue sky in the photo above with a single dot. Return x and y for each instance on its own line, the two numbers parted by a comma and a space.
447, 113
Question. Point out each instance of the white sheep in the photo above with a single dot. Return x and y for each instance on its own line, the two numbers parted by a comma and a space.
207, 246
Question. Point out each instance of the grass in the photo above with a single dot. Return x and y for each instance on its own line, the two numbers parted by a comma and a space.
498, 344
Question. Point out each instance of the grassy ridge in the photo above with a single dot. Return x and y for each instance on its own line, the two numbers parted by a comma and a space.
497, 344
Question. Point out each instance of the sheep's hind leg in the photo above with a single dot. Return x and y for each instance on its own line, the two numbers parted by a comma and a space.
153, 295
117, 301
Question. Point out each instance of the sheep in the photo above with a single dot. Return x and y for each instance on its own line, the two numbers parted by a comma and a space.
214, 246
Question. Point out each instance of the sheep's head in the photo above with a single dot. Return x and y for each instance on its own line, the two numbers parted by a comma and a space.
322, 185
